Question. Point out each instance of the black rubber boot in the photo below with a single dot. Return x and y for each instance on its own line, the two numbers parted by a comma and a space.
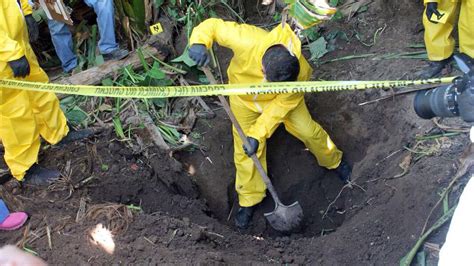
434, 68
74, 135
243, 217
344, 171
40, 176
117, 54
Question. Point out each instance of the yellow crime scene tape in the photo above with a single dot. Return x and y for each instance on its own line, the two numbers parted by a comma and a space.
218, 89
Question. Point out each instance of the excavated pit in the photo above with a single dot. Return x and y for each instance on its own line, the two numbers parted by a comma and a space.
365, 134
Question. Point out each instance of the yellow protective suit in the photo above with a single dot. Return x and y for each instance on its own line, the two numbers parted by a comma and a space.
260, 115
24, 115
438, 37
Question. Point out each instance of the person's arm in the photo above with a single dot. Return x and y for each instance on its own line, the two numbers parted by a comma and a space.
278, 109
237, 37
9, 49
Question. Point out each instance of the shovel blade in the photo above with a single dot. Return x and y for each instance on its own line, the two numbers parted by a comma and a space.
285, 218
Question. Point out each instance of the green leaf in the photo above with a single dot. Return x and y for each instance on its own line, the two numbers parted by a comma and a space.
203, 79
421, 258
312, 33
142, 59
118, 128
67, 101
318, 48
99, 60
159, 102
184, 58
158, 3
104, 167
213, 14
363, 9
139, 12
334, 3
155, 72
337, 16
446, 203
107, 82
76, 115
172, 13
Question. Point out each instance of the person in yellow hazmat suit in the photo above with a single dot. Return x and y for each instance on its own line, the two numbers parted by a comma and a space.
25, 115
439, 20
261, 56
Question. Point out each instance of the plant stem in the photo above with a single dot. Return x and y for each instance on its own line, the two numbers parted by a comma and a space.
177, 70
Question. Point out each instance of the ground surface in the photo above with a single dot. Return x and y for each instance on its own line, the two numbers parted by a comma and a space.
376, 223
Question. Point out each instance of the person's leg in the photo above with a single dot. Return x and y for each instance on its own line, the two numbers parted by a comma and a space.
466, 28
62, 41
438, 38
439, 41
300, 124
50, 119
249, 184
105, 20
18, 131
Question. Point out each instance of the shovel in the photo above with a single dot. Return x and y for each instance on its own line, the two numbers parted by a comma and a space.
283, 218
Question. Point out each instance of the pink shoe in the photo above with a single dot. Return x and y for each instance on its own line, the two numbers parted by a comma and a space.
14, 221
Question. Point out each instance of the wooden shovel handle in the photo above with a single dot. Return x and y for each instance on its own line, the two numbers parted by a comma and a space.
236, 124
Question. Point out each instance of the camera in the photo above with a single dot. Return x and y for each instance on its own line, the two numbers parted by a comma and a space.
456, 99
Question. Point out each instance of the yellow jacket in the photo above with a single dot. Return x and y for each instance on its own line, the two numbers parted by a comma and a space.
438, 1
249, 44
14, 42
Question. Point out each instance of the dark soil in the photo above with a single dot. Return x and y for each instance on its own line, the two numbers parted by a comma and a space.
376, 223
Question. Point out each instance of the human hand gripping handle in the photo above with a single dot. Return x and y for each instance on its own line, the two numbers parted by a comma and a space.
20, 67
432, 8
252, 147
199, 54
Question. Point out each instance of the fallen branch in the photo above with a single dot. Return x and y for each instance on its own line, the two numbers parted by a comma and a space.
95, 75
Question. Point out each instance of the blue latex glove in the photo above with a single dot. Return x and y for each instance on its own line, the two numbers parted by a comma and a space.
199, 54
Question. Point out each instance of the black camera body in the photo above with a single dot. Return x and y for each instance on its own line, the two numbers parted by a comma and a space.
456, 99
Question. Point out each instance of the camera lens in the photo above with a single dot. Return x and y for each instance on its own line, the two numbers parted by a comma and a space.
436, 102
